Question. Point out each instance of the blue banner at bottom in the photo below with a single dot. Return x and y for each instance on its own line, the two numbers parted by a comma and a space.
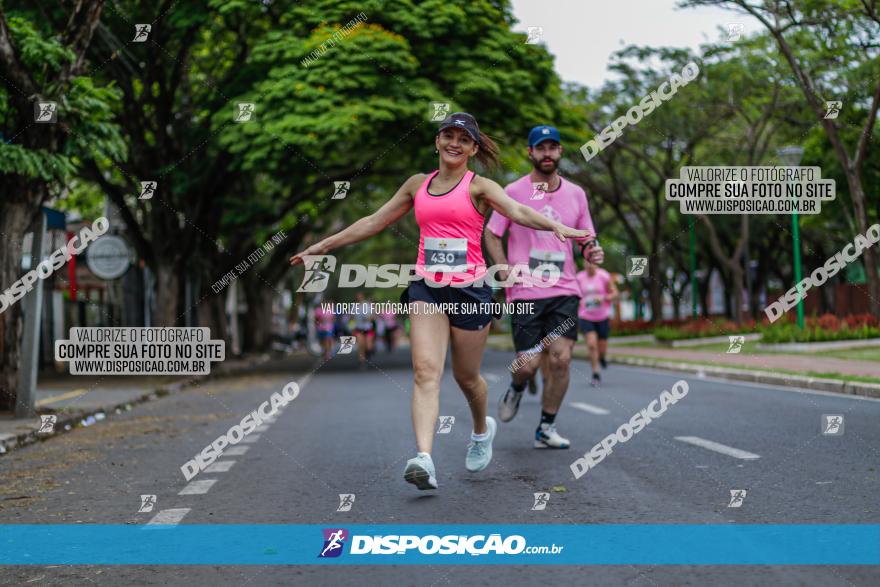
418, 544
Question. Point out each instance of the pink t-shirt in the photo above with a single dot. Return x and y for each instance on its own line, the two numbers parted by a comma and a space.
592, 306
567, 205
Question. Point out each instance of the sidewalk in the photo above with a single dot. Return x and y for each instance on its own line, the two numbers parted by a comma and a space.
83, 401
788, 370
782, 362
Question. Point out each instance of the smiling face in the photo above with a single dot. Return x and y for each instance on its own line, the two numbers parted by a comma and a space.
545, 156
455, 146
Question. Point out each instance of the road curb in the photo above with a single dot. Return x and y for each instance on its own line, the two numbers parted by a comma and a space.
69, 421
801, 381
785, 380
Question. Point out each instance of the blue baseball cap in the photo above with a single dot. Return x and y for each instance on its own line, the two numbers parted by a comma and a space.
543, 133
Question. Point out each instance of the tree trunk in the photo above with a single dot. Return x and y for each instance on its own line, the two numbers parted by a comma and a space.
167, 294
212, 315
258, 326
656, 292
14, 220
737, 277
870, 260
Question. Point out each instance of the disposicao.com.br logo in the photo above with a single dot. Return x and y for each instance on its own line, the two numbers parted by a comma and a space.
402, 544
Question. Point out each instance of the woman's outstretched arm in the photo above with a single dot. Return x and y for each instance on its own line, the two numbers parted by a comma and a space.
504, 204
390, 212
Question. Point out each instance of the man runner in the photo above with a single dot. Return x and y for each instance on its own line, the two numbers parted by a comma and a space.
556, 307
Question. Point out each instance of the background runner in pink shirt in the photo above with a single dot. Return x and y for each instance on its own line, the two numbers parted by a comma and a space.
598, 290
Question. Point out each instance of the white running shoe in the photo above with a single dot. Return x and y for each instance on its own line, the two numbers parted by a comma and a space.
547, 437
479, 452
420, 472
508, 405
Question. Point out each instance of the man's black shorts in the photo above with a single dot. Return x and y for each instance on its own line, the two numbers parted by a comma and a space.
418, 290
552, 315
602, 327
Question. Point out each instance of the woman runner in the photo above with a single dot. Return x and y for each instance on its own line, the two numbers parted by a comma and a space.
598, 290
450, 206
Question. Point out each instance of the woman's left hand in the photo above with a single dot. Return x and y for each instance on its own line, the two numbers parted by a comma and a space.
563, 232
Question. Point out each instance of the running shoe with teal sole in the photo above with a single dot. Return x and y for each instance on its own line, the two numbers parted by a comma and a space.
420, 472
479, 452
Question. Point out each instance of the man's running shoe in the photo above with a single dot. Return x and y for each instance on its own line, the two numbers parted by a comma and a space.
597, 380
479, 452
547, 437
533, 384
509, 404
420, 472
603, 362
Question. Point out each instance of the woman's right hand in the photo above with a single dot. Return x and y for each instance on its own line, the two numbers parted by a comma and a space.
298, 259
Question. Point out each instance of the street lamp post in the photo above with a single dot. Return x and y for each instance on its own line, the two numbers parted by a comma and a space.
791, 157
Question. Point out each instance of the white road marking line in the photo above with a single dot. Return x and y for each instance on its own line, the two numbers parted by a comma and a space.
823, 482
236, 451
219, 466
590, 408
718, 447
168, 517
251, 438
197, 487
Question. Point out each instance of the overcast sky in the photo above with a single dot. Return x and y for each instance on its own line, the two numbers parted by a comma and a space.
582, 34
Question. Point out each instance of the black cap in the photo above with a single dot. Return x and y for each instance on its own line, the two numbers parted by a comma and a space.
464, 121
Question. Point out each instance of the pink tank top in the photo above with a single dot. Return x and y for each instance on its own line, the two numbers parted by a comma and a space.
451, 231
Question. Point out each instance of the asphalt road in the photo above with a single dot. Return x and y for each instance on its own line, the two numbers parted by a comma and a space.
349, 431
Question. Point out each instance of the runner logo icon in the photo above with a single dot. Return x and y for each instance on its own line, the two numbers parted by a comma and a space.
346, 500
832, 109
318, 270
541, 500
446, 423
147, 503
47, 424
736, 498
736, 344
334, 541
346, 345
832, 424
638, 266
